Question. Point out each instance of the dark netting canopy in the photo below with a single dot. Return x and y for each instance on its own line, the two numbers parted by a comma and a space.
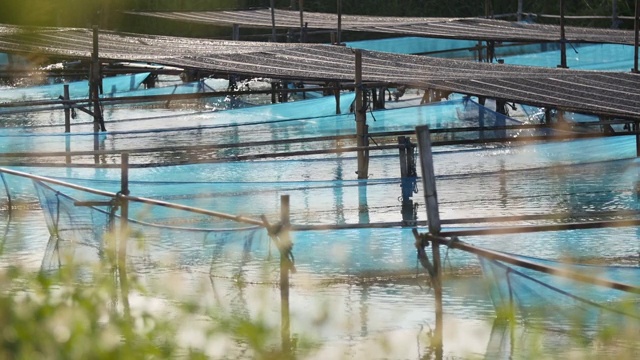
450, 28
593, 92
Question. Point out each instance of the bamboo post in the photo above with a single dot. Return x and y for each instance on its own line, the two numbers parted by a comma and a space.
95, 82
563, 44
274, 89
488, 9
336, 93
273, 22
284, 95
491, 51
404, 171
67, 109
124, 205
547, 116
339, 33
636, 27
407, 178
235, 33
285, 267
124, 232
482, 101
67, 122
363, 204
361, 121
636, 129
433, 219
428, 179
301, 8
519, 13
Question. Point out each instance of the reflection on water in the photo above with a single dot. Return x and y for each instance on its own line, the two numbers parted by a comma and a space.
356, 291
364, 318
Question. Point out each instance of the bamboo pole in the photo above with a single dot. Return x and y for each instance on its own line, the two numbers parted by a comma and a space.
502, 229
361, 121
339, 33
563, 44
95, 84
336, 94
636, 129
123, 234
273, 22
67, 123
235, 32
237, 218
13, 162
565, 273
433, 218
519, 13
285, 267
67, 109
301, 8
636, 30
428, 179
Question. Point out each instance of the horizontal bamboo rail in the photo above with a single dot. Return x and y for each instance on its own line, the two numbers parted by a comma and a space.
557, 271
237, 218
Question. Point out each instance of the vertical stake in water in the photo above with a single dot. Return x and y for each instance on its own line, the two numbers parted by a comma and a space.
67, 121
273, 21
563, 43
636, 124
285, 267
408, 178
481, 110
361, 122
123, 234
433, 218
67, 109
95, 83
336, 93
636, 30
274, 89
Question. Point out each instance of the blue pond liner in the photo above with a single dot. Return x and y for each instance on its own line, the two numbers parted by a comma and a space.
300, 119
77, 89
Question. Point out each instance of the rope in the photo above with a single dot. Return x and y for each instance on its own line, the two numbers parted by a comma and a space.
422, 242
111, 210
284, 245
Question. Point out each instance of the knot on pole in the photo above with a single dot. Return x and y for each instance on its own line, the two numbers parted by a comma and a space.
422, 241
119, 197
279, 234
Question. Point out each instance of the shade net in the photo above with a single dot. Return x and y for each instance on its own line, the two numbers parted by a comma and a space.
276, 124
85, 233
547, 297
